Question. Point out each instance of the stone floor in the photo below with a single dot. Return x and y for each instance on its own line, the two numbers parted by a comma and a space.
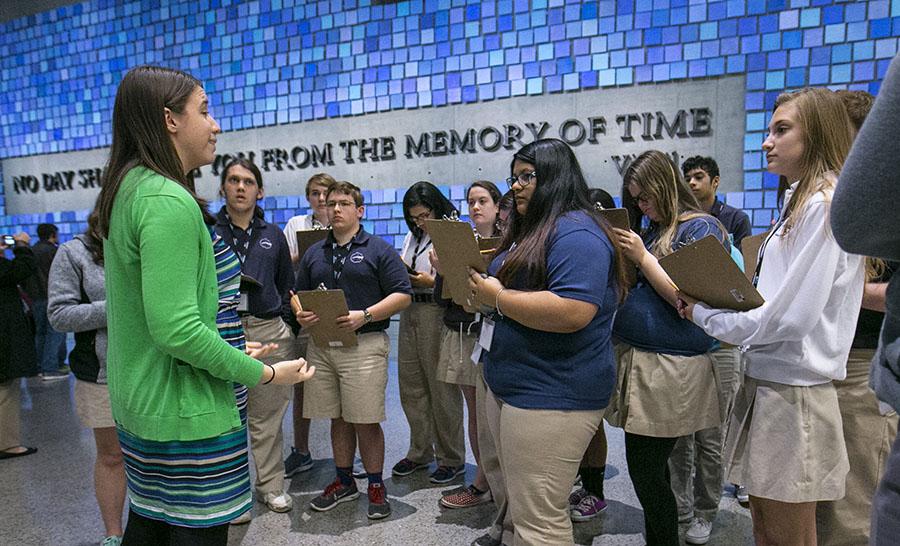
48, 497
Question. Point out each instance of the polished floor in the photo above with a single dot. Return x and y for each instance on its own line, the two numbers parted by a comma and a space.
48, 497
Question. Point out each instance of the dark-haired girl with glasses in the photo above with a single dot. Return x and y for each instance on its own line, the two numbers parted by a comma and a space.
433, 408
554, 285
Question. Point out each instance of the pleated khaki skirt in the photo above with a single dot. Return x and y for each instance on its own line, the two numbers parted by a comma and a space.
786, 443
664, 396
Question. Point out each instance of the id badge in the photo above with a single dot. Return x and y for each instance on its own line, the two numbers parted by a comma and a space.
487, 334
244, 303
476, 354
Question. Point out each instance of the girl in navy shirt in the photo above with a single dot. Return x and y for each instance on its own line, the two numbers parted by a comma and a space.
548, 359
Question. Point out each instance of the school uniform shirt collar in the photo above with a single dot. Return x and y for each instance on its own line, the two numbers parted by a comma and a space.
258, 222
361, 238
717, 207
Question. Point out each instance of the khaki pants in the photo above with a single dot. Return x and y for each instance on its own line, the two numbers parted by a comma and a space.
502, 527
538, 481
434, 409
10, 394
696, 462
868, 435
266, 405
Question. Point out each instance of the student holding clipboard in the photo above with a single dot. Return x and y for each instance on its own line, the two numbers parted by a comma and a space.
666, 378
349, 387
785, 440
554, 283
458, 339
300, 459
432, 407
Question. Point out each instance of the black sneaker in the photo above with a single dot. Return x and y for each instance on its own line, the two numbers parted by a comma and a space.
379, 507
446, 474
333, 495
406, 467
359, 472
297, 462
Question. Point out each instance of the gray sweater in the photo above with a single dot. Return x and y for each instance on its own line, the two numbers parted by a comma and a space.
73, 266
865, 218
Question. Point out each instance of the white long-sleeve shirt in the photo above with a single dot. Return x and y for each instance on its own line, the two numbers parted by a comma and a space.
802, 334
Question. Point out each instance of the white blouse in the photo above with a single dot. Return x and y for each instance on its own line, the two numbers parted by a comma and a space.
802, 334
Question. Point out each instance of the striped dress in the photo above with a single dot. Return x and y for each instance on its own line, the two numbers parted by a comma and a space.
197, 483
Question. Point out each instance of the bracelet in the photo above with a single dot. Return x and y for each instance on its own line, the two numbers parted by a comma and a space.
497, 302
271, 367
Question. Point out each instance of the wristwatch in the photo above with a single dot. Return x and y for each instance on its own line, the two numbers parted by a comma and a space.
367, 316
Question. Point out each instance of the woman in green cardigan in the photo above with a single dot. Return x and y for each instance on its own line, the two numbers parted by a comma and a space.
170, 374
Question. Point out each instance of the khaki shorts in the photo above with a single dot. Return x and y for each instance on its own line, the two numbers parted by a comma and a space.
349, 383
786, 443
455, 363
92, 404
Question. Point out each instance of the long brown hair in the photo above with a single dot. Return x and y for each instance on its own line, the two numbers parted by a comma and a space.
560, 188
825, 126
139, 136
93, 240
655, 173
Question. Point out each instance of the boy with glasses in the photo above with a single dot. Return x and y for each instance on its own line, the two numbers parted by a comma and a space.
349, 386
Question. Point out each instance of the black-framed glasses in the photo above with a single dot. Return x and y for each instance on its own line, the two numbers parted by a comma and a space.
523, 179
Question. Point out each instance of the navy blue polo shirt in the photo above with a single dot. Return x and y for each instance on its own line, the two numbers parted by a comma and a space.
371, 271
534, 369
266, 258
736, 221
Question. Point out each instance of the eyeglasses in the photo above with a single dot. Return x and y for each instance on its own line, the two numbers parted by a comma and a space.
642, 198
419, 218
523, 179
342, 204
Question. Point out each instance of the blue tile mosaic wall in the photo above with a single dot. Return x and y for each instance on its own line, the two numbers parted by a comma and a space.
270, 62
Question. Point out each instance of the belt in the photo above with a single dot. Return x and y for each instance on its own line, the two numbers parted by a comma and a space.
423, 298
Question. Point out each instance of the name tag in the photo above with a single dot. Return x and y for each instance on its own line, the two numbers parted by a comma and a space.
487, 334
244, 303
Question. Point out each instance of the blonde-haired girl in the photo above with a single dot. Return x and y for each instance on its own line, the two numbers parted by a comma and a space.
666, 384
785, 440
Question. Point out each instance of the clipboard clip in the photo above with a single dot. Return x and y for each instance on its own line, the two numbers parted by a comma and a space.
454, 217
598, 206
322, 286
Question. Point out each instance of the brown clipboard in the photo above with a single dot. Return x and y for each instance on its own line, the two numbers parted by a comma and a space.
488, 244
704, 270
455, 244
750, 251
618, 218
329, 305
308, 237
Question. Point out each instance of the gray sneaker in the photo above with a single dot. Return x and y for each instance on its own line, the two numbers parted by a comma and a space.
54, 376
333, 495
379, 507
297, 462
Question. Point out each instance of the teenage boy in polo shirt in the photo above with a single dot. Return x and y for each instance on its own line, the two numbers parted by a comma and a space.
702, 174
265, 316
351, 382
